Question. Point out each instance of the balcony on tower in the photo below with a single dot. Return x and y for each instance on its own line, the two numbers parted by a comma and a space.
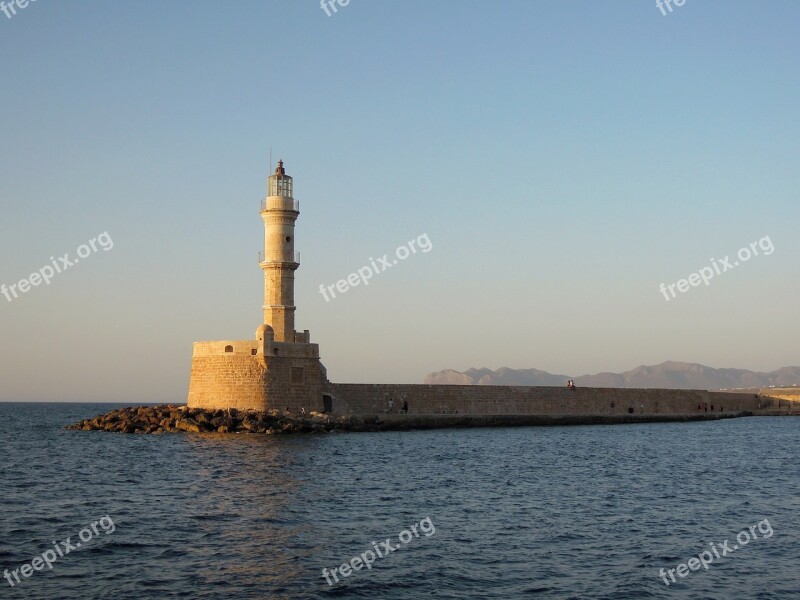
280, 203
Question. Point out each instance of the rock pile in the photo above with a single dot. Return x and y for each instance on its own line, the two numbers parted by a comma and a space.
169, 418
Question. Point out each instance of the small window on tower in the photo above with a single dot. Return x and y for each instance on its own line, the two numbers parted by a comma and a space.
228, 348
288, 238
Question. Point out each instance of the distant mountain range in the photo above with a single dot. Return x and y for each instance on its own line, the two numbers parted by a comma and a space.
668, 375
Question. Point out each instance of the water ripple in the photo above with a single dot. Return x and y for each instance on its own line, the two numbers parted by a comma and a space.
569, 512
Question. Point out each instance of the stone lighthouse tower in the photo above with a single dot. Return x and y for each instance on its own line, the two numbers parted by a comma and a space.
281, 367
279, 260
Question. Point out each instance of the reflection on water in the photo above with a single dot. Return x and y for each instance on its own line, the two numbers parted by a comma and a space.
254, 476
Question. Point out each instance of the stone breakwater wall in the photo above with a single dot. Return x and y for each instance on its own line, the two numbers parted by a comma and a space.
363, 407
364, 399
171, 418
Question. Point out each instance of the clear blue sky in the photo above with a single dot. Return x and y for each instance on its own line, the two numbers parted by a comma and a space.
564, 158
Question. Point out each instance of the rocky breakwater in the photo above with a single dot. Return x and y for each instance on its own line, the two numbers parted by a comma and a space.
172, 418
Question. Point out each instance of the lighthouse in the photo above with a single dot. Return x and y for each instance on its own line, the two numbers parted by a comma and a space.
280, 368
279, 261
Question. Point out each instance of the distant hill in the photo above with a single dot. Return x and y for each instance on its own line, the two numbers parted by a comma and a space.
668, 375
